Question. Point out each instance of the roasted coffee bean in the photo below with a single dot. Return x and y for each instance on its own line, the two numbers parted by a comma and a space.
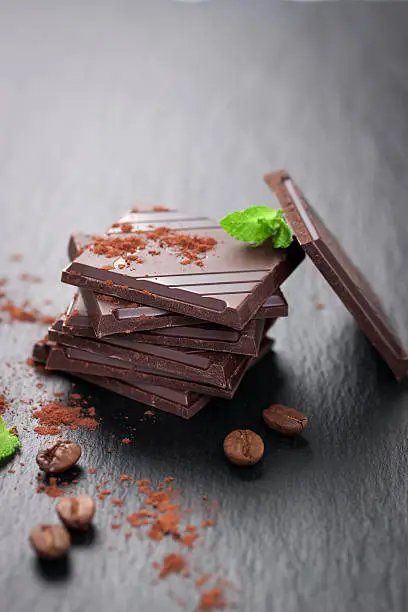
243, 447
285, 420
76, 512
50, 541
59, 457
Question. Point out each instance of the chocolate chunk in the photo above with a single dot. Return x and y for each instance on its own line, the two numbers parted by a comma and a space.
40, 352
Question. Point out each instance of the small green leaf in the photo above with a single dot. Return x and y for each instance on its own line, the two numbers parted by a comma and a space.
9, 441
258, 223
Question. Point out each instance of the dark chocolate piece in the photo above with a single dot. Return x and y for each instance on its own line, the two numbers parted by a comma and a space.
76, 320
40, 352
206, 336
274, 307
77, 244
340, 272
202, 366
231, 286
110, 315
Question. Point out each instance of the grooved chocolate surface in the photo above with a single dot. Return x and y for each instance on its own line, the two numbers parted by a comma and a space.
340, 272
111, 315
230, 287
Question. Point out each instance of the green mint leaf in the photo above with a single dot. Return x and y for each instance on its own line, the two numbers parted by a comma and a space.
9, 441
258, 223
282, 238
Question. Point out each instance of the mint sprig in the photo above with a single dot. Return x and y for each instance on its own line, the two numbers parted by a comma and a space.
9, 441
258, 223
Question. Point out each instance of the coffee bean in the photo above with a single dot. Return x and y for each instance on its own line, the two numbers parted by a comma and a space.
285, 420
76, 512
243, 447
50, 541
59, 457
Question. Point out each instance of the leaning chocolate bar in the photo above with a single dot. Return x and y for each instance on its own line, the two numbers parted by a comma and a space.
183, 264
339, 271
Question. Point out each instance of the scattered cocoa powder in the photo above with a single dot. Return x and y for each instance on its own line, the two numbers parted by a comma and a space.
190, 248
188, 539
213, 599
47, 430
51, 489
118, 502
104, 494
24, 276
54, 415
126, 228
24, 314
202, 580
172, 564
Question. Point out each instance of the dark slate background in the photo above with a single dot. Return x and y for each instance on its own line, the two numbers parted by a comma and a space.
104, 104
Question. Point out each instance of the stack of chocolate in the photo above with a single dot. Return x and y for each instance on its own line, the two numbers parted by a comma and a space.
170, 310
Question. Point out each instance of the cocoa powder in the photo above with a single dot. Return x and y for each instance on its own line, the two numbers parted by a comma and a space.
190, 248
54, 415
